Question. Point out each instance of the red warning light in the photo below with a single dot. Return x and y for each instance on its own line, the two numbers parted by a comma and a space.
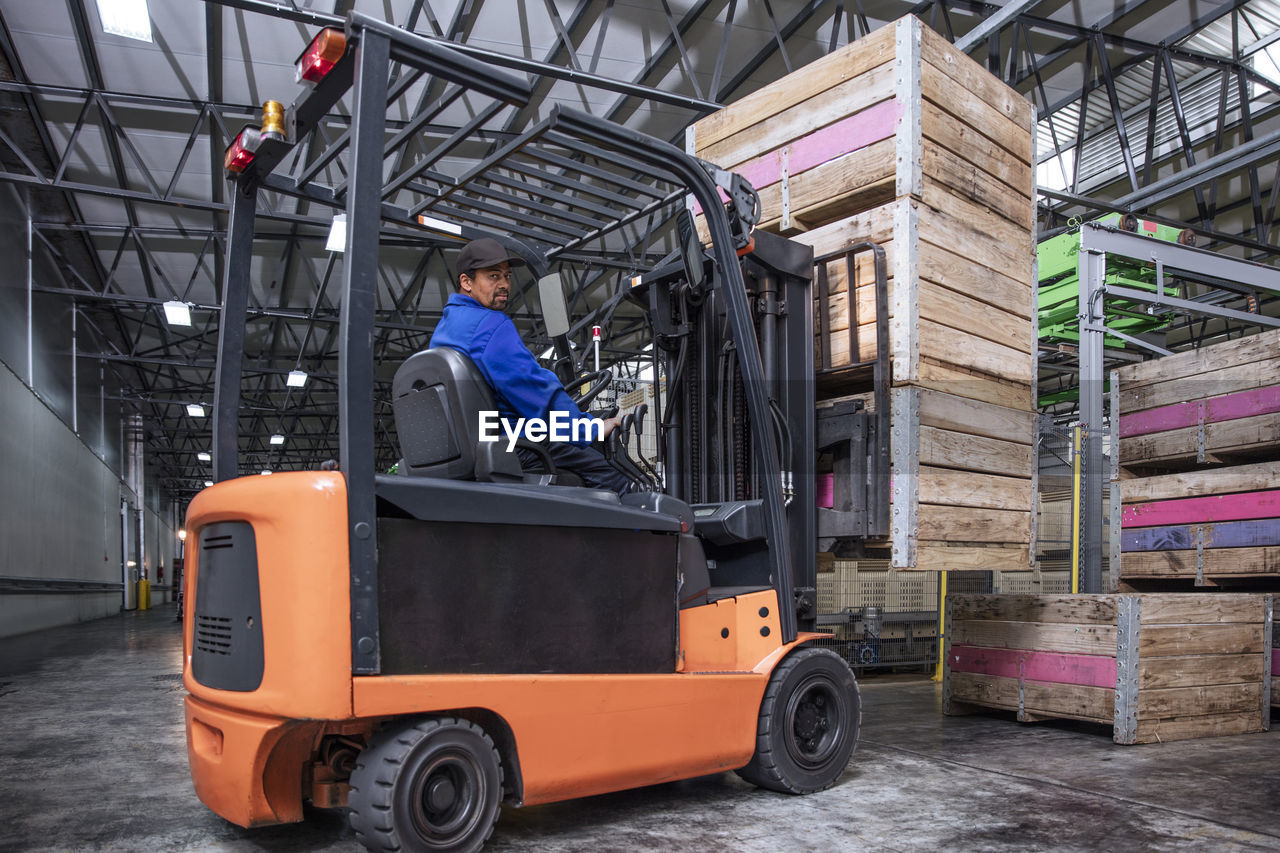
242, 150
321, 55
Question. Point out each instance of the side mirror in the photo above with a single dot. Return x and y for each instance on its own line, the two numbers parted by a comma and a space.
554, 312
691, 254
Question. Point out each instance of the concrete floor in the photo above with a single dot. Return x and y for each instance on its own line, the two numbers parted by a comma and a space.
93, 757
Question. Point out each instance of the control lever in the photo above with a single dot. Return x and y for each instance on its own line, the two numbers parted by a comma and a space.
615, 453
637, 415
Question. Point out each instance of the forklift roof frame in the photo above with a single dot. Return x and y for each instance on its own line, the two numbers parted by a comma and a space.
565, 140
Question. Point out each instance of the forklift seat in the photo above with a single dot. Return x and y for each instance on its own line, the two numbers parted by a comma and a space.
437, 396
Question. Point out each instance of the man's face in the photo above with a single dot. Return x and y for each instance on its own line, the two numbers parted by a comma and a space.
490, 286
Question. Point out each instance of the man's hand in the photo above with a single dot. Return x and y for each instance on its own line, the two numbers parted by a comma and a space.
610, 424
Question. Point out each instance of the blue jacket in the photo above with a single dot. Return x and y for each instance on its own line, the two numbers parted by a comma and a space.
521, 387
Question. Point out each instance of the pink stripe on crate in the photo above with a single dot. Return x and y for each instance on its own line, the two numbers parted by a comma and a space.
825, 490
1055, 667
822, 146
1195, 510
1259, 401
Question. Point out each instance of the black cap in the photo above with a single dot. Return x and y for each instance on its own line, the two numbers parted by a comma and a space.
483, 254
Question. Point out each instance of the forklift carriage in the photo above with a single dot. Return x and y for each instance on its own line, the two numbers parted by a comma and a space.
420, 647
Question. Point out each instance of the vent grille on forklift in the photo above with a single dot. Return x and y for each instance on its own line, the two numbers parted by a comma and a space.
227, 648
213, 634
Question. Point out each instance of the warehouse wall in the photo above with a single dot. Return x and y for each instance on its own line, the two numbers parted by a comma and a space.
60, 459
61, 515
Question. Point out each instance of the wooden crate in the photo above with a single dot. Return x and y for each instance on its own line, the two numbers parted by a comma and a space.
1156, 667
1213, 404
902, 140
1217, 524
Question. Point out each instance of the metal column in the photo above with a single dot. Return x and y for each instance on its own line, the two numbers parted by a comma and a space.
355, 352
1092, 473
235, 303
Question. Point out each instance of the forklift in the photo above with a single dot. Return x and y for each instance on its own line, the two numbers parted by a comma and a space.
422, 646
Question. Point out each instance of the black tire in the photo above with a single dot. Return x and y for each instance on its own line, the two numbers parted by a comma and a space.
434, 785
808, 726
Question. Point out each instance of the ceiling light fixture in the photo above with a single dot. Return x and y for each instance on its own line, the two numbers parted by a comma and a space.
277, 439
296, 378
195, 410
208, 483
204, 457
177, 313
337, 241
128, 18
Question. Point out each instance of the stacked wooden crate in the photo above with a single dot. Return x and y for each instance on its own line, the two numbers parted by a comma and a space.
1155, 667
1212, 415
902, 140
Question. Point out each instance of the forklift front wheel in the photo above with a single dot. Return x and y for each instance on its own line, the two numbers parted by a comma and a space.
433, 785
808, 725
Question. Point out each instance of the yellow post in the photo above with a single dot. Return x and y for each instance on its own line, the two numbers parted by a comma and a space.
942, 623
144, 594
1077, 435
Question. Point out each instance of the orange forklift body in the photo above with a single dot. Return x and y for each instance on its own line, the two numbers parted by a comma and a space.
251, 752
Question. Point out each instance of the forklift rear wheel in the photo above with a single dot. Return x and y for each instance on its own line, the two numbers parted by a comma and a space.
433, 785
808, 726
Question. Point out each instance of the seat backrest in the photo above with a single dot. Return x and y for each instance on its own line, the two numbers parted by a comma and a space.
437, 396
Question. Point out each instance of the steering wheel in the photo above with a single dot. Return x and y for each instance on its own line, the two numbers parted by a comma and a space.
597, 380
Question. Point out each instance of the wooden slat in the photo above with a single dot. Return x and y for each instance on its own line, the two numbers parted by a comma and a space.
960, 311
971, 489
941, 89
1198, 362
1199, 701
974, 233
1180, 608
1217, 561
847, 98
1219, 481
1211, 383
875, 225
1044, 636
972, 524
1198, 670
947, 449
1095, 704
962, 383
944, 130
1227, 534
1227, 407
1233, 507
953, 557
840, 345
966, 179
851, 184
1175, 640
1235, 436
1047, 667
946, 343
1064, 609
973, 79
1210, 725
957, 414
940, 262
854, 59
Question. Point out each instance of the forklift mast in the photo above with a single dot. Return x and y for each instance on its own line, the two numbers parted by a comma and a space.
737, 344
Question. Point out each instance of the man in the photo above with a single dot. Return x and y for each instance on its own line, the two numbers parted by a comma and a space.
474, 324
